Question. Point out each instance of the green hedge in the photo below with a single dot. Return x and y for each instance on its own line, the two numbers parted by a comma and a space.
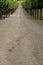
30, 4
8, 4
34, 5
27, 4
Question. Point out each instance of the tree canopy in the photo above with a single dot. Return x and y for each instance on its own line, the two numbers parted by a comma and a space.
8, 4
33, 4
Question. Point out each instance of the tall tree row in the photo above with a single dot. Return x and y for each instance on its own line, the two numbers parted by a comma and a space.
7, 5
35, 7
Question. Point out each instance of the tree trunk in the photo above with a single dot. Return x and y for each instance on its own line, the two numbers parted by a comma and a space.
37, 13
0, 14
33, 12
40, 14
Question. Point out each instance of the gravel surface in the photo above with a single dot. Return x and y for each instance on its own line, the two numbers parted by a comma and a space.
21, 39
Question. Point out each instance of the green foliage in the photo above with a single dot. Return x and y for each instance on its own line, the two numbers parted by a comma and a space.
27, 4
34, 4
12, 4
8, 4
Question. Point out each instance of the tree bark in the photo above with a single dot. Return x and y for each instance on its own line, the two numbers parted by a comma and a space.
40, 14
33, 12
37, 13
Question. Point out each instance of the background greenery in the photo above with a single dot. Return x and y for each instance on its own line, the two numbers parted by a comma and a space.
35, 7
7, 6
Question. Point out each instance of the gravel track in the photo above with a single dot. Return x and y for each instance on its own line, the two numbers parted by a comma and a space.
21, 39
